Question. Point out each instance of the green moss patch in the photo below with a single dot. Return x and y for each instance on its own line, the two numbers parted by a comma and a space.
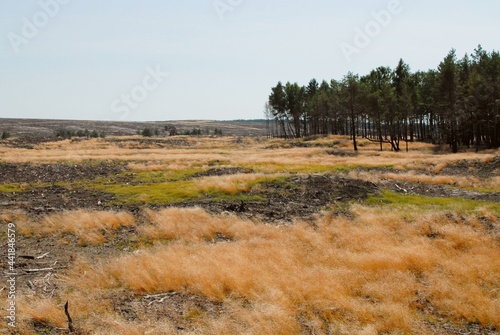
402, 201
10, 188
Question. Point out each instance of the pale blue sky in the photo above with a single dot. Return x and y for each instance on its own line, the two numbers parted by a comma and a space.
90, 54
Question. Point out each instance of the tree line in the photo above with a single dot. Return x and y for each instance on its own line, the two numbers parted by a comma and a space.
69, 133
171, 130
456, 104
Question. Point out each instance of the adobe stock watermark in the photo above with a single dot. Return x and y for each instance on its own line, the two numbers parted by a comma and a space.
11, 275
224, 6
127, 102
372, 29
30, 28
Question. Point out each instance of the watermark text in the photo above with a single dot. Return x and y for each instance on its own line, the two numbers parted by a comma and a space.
222, 7
372, 29
31, 27
129, 101
11, 275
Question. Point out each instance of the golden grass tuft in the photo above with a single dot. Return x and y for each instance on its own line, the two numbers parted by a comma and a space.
89, 226
43, 311
112, 325
439, 167
495, 183
231, 184
9, 216
364, 274
468, 182
433, 180
192, 224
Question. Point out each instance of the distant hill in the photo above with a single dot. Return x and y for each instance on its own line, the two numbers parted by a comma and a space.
44, 128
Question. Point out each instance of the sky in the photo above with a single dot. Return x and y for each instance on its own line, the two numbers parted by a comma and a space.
155, 60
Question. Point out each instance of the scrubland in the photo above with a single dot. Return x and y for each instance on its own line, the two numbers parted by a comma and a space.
252, 236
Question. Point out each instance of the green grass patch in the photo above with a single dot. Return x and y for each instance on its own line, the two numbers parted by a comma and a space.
160, 176
313, 168
153, 193
404, 201
489, 190
363, 167
171, 193
153, 189
10, 188
287, 168
172, 186
132, 178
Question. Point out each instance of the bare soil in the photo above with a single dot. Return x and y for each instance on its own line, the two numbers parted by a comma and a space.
54, 198
302, 197
53, 173
476, 168
221, 172
181, 309
438, 191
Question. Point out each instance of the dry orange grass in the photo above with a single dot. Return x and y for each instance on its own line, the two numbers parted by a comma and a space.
157, 166
89, 226
230, 184
44, 311
495, 181
192, 224
94, 316
492, 183
113, 325
250, 153
414, 177
13, 216
370, 275
196, 225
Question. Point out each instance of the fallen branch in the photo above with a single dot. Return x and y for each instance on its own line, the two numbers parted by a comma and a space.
27, 257
39, 270
159, 297
44, 269
401, 189
70, 321
42, 256
31, 285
